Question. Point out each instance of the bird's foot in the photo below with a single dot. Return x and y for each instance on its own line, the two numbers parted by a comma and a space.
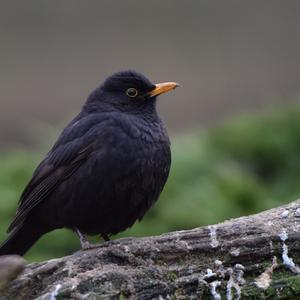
84, 243
105, 237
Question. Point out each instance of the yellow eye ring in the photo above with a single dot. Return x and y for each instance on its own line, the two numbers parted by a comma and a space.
132, 92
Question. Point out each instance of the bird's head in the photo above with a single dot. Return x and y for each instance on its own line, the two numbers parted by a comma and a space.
129, 91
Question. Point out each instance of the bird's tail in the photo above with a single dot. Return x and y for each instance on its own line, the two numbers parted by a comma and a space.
21, 239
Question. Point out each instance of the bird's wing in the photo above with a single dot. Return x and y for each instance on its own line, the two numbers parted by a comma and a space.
72, 148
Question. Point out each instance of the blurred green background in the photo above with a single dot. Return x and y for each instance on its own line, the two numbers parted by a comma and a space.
235, 124
241, 166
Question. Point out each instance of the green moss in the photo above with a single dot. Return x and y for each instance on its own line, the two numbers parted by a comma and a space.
286, 287
122, 296
179, 293
172, 276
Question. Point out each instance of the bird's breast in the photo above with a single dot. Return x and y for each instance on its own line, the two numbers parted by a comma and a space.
120, 180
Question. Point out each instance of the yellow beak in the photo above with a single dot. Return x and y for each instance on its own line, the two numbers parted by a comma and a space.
161, 88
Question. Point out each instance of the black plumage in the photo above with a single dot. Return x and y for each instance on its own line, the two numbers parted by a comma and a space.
107, 168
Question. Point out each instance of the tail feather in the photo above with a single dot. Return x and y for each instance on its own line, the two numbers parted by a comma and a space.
21, 239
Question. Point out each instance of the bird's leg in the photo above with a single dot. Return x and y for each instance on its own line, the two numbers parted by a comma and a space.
85, 244
105, 237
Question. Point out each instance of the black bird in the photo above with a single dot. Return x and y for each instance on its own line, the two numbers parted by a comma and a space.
107, 168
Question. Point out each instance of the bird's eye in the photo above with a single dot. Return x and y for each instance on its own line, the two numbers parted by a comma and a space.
132, 92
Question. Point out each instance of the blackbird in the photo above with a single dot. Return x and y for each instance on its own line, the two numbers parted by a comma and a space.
107, 168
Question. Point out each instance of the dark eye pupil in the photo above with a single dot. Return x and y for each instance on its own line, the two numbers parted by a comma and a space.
131, 92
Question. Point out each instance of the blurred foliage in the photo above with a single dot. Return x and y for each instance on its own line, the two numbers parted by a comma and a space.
243, 166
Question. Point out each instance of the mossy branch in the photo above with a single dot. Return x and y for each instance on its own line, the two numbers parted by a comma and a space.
254, 257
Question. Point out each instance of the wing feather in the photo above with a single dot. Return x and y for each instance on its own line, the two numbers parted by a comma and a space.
60, 163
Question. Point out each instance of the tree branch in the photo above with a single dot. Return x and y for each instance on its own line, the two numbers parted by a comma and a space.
254, 257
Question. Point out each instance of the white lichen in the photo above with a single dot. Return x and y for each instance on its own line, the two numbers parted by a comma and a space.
126, 248
186, 245
209, 274
271, 246
264, 280
297, 212
213, 290
229, 286
168, 297
285, 214
235, 252
239, 268
235, 281
55, 293
218, 263
287, 261
213, 285
283, 235
233, 287
221, 270
213, 236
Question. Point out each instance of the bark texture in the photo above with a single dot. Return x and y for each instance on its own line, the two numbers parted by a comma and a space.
254, 257
10, 267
